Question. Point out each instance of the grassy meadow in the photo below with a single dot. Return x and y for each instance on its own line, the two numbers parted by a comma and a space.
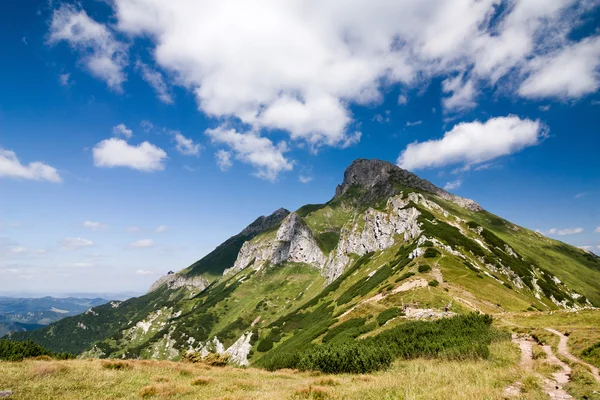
111, 379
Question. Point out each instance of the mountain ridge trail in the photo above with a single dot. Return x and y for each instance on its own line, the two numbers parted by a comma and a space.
563, 349
552, 388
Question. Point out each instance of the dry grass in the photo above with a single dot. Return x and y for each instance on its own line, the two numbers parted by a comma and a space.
417, 379
202, 380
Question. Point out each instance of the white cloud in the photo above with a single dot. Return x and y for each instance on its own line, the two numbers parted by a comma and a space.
305, 178
580, 195
301, 66
156, 81
75, 243
414, 123
122, 130
566, 231
223, 159
143, 243
18, 250
101, 53
118, 153
11, 167
64, 79
143, 272
255, 150
161, 229
453, 185
402, 100
95, 226
597, 230
132, 229
569, 72
474, 143
146, 125
463, 94
185, 146
544, 108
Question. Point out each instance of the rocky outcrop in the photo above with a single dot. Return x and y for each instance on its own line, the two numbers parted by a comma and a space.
175, 281
294, 242
240, 349
378, 178
379, 232
263, 223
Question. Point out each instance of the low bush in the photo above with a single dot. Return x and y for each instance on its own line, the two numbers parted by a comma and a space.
430, 252
12, 350
404, 276
424, 268
434, 283
388, 314
458, 338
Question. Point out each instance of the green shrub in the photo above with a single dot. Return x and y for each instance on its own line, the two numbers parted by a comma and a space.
433, 283
404, 276
424, 268
265, 345
12, 350
388, 314
431, 253
459, 338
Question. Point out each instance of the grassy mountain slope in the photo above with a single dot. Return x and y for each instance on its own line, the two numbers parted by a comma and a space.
407, 253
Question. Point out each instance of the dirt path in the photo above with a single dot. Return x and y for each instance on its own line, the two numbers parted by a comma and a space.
552, 387
563, 350
380, 296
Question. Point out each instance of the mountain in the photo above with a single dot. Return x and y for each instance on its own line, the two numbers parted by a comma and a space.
388, 248
24, 314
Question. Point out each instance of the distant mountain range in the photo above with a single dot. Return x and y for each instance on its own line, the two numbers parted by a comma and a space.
25, 314
389, 246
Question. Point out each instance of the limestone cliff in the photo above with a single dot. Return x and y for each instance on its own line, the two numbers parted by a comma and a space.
294, 242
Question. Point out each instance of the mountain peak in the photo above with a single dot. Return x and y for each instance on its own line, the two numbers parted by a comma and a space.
378, 177
265, 222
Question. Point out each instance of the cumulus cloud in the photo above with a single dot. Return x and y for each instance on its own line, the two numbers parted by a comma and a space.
563, 232
122, 130
64, 79
143, 243
155, 80
402, 100
463, 94
255, 150
223, 158
103, 55
118, 153
569, 72
300, 67
185, 146
474, 143
11, 167
146, 125
597, 230
75, 243
95, 226
453, 185
305, 178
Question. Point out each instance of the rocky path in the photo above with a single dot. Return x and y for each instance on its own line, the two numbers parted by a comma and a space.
552, 387
563, 350
417, 283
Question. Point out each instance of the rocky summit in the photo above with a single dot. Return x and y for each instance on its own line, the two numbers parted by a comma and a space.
388, 249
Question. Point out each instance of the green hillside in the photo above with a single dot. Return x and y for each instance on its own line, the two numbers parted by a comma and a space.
387, 256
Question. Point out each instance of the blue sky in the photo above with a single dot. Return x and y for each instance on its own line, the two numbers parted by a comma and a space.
135, 136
